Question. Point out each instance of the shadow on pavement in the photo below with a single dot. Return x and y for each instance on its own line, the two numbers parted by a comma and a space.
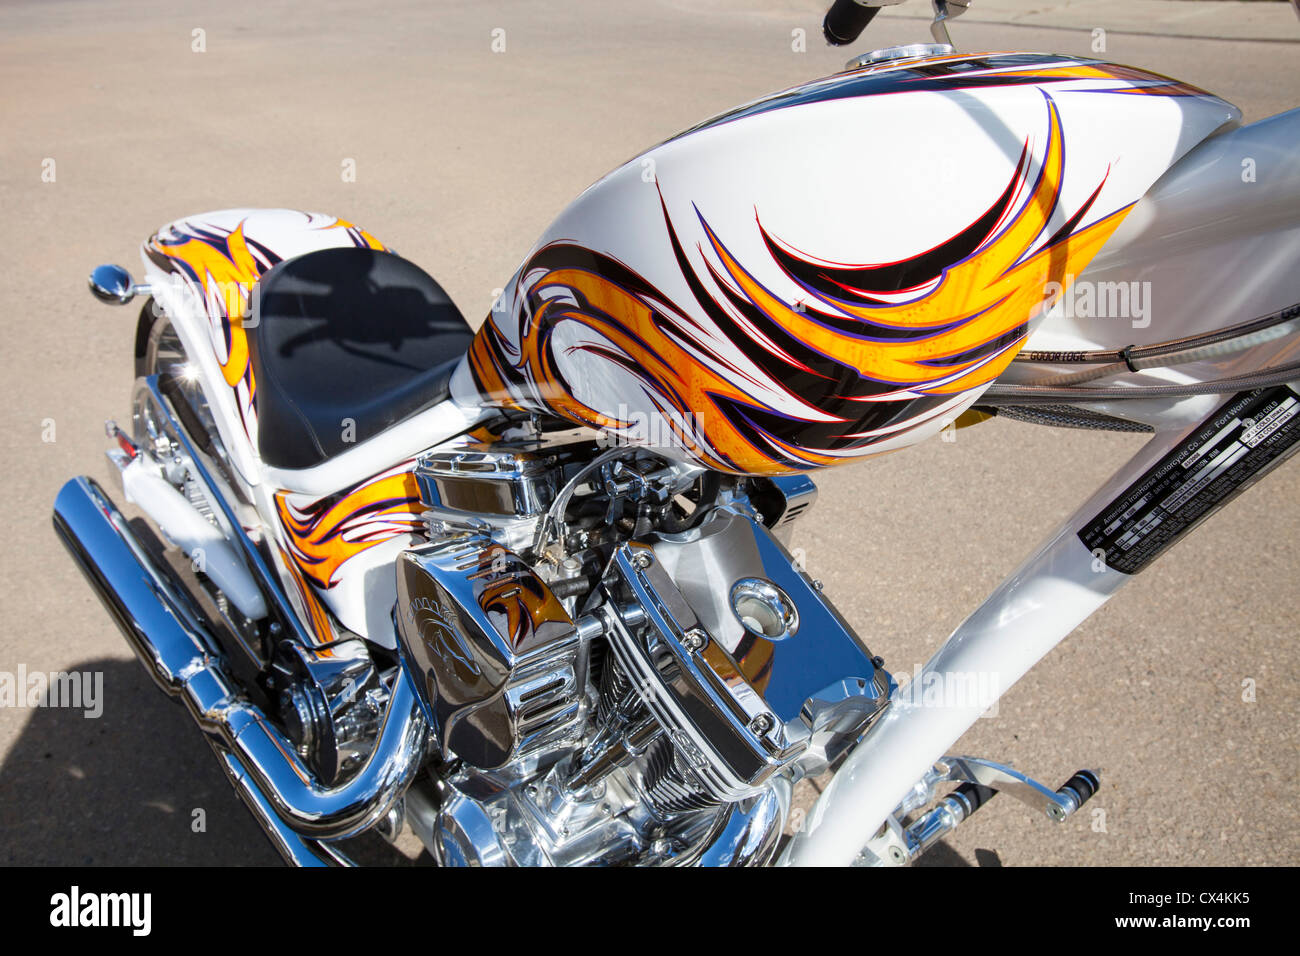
941, 854
121, 788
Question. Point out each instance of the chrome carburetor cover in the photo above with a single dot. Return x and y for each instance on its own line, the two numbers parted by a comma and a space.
502, 489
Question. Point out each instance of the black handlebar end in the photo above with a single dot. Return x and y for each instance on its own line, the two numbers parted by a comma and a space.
845, 21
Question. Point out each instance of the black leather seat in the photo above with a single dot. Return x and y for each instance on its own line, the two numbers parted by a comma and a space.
347, 334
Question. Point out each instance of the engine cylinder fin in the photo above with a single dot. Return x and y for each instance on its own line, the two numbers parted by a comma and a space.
615, 687
668, 784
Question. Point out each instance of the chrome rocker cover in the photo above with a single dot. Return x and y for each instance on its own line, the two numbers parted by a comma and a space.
742, 698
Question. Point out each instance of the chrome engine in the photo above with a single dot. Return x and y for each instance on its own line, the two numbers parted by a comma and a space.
608, 680
602, 657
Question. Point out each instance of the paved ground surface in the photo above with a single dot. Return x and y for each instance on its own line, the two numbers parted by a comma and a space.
1193, 19
462, 157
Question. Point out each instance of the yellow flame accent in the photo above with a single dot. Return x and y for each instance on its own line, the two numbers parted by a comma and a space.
988, 295
321, 544
985, 297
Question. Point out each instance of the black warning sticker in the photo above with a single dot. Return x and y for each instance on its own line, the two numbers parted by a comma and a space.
1235, 446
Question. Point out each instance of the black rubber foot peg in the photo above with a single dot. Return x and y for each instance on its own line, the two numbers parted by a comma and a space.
973, 796
1083, 785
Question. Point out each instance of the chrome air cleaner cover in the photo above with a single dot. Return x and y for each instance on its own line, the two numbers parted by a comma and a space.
497, 661
739, 705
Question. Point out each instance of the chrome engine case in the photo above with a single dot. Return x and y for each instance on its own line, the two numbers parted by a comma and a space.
660, 721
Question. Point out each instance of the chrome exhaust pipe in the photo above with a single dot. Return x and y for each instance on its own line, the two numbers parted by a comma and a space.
746, 833
161, 625
296, 849
752, 830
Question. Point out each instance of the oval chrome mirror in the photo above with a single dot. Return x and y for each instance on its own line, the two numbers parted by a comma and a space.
112, 284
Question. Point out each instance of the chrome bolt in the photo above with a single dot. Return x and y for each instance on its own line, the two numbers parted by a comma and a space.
761, 724
694, 639
817, 585
643, 559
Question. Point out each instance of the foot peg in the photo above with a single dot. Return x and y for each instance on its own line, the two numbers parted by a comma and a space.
1079, 788
1056, 804
979, 781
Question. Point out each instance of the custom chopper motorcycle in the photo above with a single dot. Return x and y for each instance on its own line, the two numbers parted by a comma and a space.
526, 590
